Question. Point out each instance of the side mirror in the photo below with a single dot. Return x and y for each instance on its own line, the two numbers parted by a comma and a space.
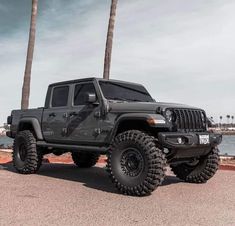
91, 98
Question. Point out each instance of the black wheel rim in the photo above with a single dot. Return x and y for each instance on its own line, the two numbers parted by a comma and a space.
22, 152
132, 162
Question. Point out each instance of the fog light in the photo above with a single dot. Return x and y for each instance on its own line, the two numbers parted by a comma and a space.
179, 140
166, 151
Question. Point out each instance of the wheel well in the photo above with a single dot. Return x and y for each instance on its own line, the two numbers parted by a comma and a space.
133, 125
25, 126
140, 125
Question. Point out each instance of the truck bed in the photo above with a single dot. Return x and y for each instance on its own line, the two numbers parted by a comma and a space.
18, 115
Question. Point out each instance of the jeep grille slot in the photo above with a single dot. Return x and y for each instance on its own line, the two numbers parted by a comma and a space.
189, 120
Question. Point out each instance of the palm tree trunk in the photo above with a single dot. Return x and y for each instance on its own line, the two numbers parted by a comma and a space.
109, 41
29, 59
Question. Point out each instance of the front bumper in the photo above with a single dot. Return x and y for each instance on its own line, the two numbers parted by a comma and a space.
187, 140
188, 145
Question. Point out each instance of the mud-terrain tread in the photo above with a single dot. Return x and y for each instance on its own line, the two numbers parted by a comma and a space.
199, 174
156, 161
85, 160
34, 156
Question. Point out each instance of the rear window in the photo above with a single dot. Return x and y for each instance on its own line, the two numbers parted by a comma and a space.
60, 96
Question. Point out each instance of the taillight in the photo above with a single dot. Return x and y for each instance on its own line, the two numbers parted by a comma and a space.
9, 120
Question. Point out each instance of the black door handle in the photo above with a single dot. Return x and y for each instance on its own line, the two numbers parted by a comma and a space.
52, 114
73, 113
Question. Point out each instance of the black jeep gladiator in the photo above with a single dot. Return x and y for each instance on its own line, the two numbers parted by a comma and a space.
90, 117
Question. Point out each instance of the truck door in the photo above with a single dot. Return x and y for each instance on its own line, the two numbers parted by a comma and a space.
82, 124
55, 116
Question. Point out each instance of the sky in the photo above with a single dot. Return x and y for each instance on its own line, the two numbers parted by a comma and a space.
183, 51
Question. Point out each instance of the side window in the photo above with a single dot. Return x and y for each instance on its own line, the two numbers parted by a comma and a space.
60, 96
80, 93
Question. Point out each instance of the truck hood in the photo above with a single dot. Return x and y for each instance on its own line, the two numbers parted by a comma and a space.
148, 107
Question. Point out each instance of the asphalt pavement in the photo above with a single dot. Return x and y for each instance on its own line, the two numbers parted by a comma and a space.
62, 194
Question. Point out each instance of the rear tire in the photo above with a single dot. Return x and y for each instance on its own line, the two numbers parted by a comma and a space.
85, 160
135, 165
27, 159
201, 172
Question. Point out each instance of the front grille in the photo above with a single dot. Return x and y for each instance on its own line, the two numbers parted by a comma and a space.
189, 120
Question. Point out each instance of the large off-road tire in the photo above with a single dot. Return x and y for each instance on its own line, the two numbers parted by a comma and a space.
200, 172
27, 159
135, 165
85, 160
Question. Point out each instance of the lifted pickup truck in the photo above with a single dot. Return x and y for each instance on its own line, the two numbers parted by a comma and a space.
90, 117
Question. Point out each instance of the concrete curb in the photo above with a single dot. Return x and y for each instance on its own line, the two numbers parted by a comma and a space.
6, 150
227, 167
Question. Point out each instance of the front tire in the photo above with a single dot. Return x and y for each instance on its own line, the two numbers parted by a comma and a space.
135, 165
27, 159
200, 172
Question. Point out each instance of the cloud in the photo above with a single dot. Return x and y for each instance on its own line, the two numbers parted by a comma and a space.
182, 51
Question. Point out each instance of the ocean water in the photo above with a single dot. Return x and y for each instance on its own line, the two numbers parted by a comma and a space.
5, 141
226, 147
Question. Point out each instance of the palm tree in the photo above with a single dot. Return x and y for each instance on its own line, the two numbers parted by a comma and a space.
232, 117
29, 58
221, 117
109, 40
228, 117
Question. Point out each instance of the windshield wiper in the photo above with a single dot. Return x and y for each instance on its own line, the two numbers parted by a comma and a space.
118, 98
135, 100
127, 100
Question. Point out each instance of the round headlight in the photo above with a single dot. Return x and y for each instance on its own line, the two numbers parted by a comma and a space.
169, 115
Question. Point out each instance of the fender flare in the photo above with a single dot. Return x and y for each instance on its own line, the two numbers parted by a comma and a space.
138, 116
35, 124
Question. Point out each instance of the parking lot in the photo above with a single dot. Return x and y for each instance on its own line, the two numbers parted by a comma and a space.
61, 194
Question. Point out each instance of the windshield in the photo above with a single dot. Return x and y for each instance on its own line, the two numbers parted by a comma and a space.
125, 92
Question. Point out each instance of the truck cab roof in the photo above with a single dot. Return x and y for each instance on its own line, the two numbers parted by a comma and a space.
90, 79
